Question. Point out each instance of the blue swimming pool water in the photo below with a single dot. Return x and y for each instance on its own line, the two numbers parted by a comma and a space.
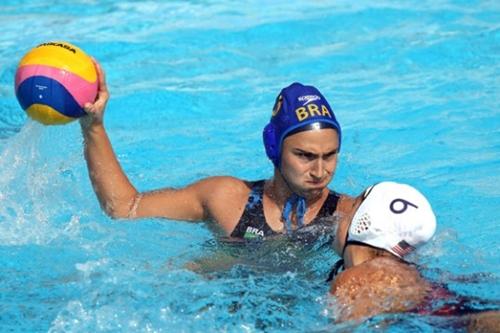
415, 87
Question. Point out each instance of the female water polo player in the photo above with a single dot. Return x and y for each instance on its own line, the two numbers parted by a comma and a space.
302, 140
392, 220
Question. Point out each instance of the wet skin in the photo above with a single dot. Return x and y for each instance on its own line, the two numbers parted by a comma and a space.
309, 160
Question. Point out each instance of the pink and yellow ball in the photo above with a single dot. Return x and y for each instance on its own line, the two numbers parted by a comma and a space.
54, 81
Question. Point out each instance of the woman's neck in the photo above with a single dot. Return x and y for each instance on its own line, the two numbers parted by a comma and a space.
278, 190
355, 254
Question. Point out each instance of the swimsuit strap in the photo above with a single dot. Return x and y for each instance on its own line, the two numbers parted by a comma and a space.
255, 196
339, 265
330, 205
253, 222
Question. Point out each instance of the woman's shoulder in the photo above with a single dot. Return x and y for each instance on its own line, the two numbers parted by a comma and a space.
225, 182
377, 286
225, 191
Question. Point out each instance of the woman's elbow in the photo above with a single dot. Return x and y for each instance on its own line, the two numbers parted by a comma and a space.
121, 209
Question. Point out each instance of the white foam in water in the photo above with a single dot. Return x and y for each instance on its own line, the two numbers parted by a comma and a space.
35, 186
89, 267
78, 315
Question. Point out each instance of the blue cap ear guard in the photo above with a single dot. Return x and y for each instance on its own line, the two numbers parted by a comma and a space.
296, 107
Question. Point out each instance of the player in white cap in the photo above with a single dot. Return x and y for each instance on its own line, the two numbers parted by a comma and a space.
390, 221
396, 218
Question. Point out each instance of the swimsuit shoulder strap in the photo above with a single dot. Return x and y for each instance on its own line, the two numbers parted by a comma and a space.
253, 222
336, 269
330, 205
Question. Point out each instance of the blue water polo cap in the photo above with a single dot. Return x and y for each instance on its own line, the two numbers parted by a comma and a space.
297, 107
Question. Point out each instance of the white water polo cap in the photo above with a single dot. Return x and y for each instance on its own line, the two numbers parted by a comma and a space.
394, 217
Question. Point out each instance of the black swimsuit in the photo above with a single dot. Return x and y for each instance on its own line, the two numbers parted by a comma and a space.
253, 222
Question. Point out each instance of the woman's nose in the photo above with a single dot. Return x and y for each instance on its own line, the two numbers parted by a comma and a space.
317, 168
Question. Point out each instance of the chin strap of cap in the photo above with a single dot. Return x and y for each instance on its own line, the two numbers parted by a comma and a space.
300, 210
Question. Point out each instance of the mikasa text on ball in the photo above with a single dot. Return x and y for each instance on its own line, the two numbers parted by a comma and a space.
54, 81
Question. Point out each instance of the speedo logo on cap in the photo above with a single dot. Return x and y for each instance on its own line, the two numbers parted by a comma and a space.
306, 99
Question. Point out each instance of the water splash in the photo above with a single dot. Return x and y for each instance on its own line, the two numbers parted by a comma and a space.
38, 199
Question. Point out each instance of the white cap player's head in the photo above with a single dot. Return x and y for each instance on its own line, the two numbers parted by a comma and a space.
394, 217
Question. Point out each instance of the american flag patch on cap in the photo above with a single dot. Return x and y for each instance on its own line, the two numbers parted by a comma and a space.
402, 248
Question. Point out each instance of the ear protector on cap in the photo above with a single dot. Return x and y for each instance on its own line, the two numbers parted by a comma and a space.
270, 140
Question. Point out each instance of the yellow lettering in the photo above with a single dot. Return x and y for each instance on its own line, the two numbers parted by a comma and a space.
301, 113
313, 109
325, 111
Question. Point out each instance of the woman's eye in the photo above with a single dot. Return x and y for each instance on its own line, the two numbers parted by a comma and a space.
330, 156
306, 156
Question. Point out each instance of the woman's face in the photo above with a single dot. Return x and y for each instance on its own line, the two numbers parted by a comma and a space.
309, 159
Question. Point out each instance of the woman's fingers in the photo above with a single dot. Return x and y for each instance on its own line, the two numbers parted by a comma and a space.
95, 110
